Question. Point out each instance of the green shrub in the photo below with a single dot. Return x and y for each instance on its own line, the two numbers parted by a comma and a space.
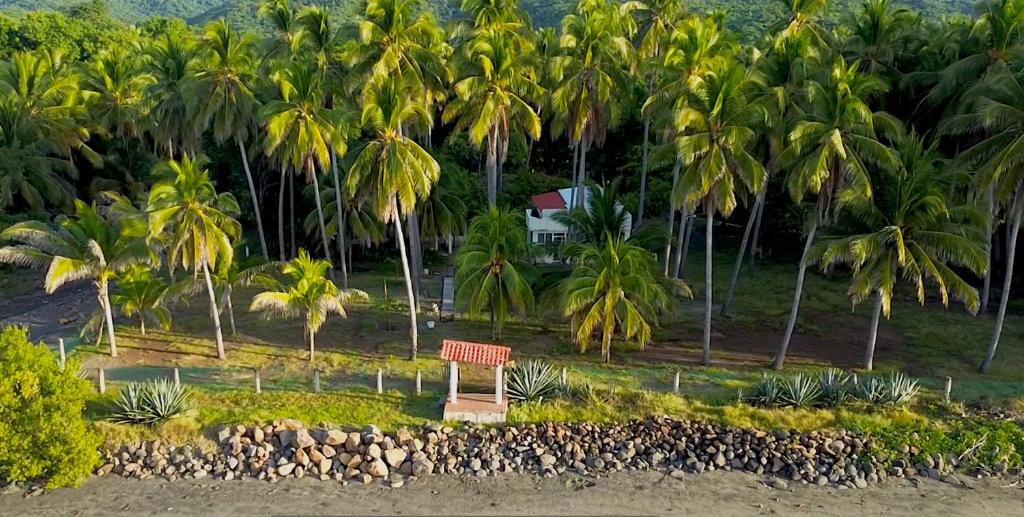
900, 390
149, 403
801, 391
532, 381
768, 392
871, 390
42, 432
834, 385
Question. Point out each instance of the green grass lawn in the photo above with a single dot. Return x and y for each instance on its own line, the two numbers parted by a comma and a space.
929, 342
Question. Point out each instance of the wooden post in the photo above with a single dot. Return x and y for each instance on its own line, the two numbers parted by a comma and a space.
177, 377
565, 376
453, 382
102, 381
60, 349
949, 388
256, 374
675, 383
380, 380
316, 381
497, 384
419, 382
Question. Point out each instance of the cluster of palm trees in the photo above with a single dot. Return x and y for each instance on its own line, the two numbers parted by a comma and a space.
353, 112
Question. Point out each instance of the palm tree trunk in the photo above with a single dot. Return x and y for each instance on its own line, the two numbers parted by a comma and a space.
687, 237
581, 197
108, 315
575, 172
291, 210
415, 253
740, 255
231, 315
672, 213
413, 332
757, 231
142, 323
643, 173
682, 242
255, 202
1004, 299
214, 312
795, 309
708, 285
280, 216
986, 285
869, 354
320, 219
341, 219
606, 346
492, 169
310, 338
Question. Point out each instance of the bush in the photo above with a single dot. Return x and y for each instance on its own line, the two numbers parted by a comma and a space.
42, 432
835, 387
767, 392
149, 403
532, 381
801, 391
832, 389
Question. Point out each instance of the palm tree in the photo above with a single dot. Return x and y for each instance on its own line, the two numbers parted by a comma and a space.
803, 17
141, 294
492, 269
443, 213
88, 244
998, 112
602, 215
614, 286
282, 42
232, 275
305, 292
199, 224
657, 21
829, 149
391, 168
693, 47
171, 62
715, 131
224, 85
113, 85
596, 56
493, 96
878, 36
911, 234
303, 132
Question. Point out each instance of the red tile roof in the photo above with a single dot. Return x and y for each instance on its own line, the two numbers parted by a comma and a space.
477, 353
548, 201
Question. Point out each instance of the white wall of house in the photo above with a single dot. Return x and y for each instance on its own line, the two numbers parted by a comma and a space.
546, 230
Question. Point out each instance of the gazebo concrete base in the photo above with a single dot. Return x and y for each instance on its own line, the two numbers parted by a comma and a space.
476, 408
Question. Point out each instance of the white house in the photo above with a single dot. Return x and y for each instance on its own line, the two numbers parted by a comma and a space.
541, 226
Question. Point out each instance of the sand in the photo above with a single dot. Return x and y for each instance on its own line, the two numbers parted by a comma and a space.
647, 493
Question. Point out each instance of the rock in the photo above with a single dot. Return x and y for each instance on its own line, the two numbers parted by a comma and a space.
286, 469
547, 460
677, 474
777, 484
422, 466
303, 440
335, 437
377, 468
373, 451
352, 442
394, 457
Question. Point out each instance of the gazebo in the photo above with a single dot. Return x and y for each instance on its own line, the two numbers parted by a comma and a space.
475, 407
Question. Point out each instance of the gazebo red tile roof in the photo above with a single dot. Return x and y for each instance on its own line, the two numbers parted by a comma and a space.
476, 353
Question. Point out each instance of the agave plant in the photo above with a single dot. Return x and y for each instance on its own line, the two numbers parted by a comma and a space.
150, 403
532, 381
834, 385
872, 390
767, 392
801, 391
900, 389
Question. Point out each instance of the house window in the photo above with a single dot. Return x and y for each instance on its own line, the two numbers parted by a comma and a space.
549, 237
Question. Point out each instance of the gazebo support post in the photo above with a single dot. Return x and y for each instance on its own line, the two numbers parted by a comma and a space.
453, 382
497, 384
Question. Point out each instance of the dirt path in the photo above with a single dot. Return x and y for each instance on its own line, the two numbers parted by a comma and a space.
649, 493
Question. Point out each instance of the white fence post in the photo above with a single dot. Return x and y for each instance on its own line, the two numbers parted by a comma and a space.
949, 388
63, 356
177, 377
419, 382
380, 380
102, 381
675, 383
256, 373
316, 381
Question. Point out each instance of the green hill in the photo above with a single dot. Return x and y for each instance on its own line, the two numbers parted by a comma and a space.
747, 16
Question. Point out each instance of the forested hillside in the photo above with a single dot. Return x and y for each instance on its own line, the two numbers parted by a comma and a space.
746, 16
